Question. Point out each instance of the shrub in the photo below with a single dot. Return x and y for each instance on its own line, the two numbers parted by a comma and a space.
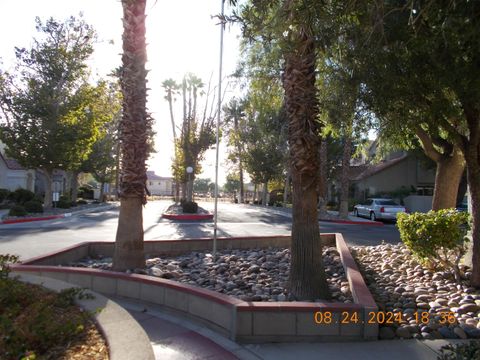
85, 192
436, 238
4, 195
190, 207
63, 204
82, 202
21, 196
462, 351
17, 210
35, 320
33, 206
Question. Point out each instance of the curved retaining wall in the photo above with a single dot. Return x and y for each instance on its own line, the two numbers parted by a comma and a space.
234, 318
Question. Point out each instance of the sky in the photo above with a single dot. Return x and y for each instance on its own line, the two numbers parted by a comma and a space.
182, 37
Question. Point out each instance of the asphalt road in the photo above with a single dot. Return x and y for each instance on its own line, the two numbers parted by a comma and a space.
38, 238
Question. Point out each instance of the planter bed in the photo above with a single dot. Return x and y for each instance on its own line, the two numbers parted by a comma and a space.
246, 321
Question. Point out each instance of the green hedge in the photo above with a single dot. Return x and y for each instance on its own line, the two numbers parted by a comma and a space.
33, 206
4, 193
436, 238
21, 196
17, 210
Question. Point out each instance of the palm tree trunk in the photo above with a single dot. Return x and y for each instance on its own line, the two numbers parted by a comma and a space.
307, 275
134, 126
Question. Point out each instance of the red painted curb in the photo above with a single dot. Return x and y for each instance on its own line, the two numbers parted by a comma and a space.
353, 222
16, 221
188, 216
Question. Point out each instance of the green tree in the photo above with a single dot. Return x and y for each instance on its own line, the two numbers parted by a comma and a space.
103, 159
232, 183
439, 40
202, 185
408, 104
47, 102
135, 128
235, 121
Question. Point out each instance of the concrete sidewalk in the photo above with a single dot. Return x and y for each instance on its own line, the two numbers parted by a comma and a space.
51, 216
176, 338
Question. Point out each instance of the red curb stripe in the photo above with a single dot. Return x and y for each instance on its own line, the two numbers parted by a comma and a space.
16, 221
353, 222
188, 217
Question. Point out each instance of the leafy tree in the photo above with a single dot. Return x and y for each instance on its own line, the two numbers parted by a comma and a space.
202, 185
135, 128
232, 183
263, 127
439, 40
235, 120
408, 104
102, 161
48, 123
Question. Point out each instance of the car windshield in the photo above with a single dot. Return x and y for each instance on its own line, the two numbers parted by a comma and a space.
386, 202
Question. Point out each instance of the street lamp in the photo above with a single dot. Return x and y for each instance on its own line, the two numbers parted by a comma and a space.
215, 209
189, 170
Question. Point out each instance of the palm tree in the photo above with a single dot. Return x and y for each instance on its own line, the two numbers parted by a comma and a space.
307, 277
171, 91
134, 130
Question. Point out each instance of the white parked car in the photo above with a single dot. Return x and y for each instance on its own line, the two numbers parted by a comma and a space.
379, 209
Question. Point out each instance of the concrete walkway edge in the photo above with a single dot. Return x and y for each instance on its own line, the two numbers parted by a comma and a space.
58, 216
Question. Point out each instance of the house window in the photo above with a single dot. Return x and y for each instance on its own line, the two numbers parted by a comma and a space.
150, 183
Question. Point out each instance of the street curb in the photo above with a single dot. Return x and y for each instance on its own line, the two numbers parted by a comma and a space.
24, 220
338, 221
52, 217
188, 217
353, 222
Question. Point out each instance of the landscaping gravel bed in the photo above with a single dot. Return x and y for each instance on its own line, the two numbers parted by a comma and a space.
251, 275
432, 305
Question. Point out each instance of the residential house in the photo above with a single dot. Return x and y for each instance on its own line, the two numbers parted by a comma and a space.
13, 175
389, 175
398, 172
159, 185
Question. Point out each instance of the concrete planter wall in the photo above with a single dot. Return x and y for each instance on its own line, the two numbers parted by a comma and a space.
234, 318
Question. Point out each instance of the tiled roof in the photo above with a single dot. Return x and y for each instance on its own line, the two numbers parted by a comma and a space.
11, 163
376, 168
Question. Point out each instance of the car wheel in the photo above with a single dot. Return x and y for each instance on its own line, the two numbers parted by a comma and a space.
355, 212
372, 216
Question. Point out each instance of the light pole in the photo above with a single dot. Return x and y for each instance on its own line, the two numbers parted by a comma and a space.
189, 170
215, 215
